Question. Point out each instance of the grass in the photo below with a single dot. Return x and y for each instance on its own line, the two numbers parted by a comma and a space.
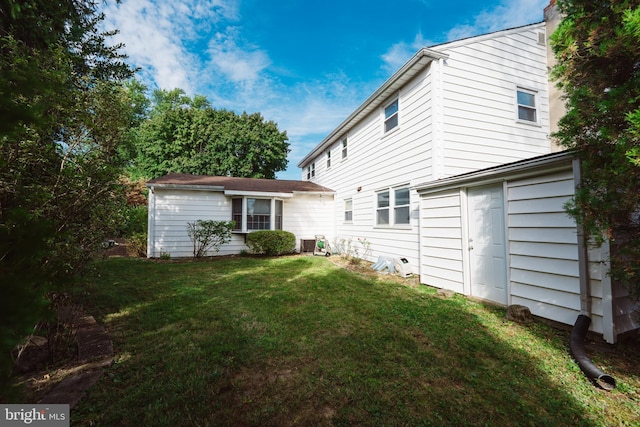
301, 341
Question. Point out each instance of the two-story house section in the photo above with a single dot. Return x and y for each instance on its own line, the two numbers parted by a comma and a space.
452, 108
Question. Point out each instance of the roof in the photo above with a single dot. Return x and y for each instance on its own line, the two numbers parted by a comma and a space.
521, 168
231, 184
409, 70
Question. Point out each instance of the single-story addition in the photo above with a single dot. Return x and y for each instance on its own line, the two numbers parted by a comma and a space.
501, 234
300, 207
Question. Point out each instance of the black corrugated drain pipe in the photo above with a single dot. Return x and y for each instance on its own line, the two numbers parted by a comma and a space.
576, 346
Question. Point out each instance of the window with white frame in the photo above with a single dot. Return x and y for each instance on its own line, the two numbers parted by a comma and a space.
391, 116
393, 207
348, 210
527, 105
344, 148
328, 159
311, 171
251, 214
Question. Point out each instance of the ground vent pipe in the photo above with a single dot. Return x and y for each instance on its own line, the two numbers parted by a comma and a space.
576, 346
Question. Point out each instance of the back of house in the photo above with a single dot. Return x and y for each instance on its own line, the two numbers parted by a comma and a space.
451, 109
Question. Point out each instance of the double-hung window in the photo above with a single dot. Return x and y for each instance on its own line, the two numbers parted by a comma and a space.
393, 207
348, 210
328, 159
344, 148
391, 116
250, 214
527, 105
311, 171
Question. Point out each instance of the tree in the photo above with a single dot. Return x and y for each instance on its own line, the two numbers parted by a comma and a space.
188, 136
64, 113
598, 50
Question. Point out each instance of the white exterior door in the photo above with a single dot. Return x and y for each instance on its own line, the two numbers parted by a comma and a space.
487, 254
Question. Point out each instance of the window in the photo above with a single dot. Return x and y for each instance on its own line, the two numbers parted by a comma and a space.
382, 212
344, 148
328, 159
401, 200
527, 109
236, 213
391, 116
393, 207
252, 214
311, 171
348, 210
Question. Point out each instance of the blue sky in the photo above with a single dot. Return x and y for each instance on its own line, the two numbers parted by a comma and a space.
304, 64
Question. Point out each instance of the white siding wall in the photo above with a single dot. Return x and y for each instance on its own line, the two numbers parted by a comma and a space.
175, 208
455, 116
308, 215
171, 210
376, 161
543, 248
479, 101
441, 260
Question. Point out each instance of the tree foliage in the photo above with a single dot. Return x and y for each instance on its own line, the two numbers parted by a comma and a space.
64, 113
598, 50
187, 135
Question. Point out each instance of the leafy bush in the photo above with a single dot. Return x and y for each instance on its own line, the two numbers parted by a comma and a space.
137, 245
271, 242
134, 220
207, 235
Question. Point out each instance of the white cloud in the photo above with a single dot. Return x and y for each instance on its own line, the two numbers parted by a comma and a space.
236, 63
156, 35
401, 52
507, 14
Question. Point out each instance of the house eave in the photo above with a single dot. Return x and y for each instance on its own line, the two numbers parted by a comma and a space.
520, 169
258, 194
408, 71
153, 186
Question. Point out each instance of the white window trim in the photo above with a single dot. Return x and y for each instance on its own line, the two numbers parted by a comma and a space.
348, 221
272, 213
328, 158
385, 132
392, 220
536, 100
344, 149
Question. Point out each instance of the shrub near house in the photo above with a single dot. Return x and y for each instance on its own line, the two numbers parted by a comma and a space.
271, 242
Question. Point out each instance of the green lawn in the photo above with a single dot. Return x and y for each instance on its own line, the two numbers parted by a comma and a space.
301, 341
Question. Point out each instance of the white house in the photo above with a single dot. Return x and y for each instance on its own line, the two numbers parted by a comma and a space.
450, 165
254, 204
451, 109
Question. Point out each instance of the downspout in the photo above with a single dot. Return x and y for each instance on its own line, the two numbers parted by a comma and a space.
581, 327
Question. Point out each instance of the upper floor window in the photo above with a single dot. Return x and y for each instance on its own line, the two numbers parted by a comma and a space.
348, 210
344, 148
251, 214
393, 206
311, 170
391, 116
527, 105
328, 159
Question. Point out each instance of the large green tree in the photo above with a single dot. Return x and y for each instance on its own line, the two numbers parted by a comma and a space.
598, 49
64, 113
187, 135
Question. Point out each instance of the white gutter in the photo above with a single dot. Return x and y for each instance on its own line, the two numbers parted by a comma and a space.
257, 194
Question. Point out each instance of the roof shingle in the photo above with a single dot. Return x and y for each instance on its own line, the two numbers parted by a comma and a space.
240, 184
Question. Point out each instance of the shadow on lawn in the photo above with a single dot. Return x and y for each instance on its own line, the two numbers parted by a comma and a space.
239, 342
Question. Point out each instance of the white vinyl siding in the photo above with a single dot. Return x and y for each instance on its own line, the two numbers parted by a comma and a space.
479, 102
441, 254
170, 210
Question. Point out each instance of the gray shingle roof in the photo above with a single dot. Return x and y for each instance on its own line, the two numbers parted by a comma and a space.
239, 184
